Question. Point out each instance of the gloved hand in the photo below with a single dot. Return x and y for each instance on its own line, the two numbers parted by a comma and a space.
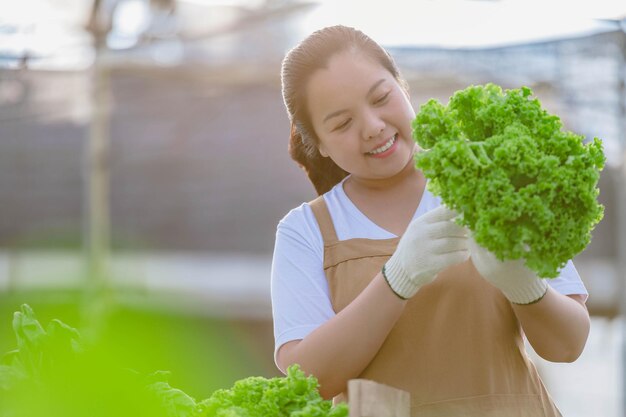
518, 283
430, 243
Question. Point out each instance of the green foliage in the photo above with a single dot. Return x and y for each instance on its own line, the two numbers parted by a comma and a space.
526, 188
54, 373
295, 395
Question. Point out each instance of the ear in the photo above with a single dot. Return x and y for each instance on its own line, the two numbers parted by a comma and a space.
322, 150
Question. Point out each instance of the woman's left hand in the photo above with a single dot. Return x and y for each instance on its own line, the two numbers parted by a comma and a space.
518, 283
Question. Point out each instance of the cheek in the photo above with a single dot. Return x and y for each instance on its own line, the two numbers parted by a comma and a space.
405, 115
408, 108
341, 150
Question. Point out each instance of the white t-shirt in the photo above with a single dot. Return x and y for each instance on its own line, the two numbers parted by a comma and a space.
300, 295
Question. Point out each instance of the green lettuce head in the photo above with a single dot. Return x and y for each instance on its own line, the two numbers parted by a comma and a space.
525, 188
295, 395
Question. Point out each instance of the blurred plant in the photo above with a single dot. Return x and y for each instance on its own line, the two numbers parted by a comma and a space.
54, 372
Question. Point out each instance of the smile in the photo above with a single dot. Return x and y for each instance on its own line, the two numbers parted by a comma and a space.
384, 147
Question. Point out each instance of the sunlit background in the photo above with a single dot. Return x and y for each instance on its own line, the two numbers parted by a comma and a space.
144, 164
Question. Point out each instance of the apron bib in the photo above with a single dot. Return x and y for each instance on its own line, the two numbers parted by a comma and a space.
457, 347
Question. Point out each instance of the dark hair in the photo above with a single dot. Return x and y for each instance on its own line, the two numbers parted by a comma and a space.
310, 55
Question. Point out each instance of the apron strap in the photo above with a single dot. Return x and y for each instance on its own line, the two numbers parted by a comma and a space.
325, 222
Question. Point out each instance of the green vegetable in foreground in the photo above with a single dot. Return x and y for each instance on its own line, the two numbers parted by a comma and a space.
54, 373
525, 187
295, 395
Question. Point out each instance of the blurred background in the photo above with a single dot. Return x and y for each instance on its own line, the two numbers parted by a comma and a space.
144, 164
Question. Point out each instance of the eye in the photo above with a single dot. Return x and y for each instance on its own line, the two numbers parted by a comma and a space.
382, 98
343, 125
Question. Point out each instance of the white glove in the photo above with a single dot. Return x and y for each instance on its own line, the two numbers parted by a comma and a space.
518, 283
430, 243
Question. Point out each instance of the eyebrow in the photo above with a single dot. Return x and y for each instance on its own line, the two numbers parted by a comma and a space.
370, 91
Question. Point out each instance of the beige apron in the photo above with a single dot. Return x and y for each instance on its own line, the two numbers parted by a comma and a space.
457, 348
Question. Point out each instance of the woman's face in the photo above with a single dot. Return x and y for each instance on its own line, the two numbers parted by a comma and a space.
362, 116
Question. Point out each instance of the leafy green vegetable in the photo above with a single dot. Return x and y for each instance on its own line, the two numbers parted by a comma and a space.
38, 351
295, 395
53, 373
526, 188
175, 402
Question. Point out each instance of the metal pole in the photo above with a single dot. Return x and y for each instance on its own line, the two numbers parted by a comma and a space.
96, 215
620, 184
97, 172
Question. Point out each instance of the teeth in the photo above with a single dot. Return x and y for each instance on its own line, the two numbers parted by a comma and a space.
385, 146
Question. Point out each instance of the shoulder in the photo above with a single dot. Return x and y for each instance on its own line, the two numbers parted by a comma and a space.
300, 224
298, 217
303, 215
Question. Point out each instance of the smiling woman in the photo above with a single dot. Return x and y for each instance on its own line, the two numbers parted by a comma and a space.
369, 135
373, 92
371, 280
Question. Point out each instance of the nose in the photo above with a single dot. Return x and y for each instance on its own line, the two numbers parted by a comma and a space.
374, 126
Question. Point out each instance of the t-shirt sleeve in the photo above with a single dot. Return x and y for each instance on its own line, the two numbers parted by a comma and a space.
299, 290
569, 282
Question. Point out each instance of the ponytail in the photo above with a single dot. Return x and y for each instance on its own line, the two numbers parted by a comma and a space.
322, 171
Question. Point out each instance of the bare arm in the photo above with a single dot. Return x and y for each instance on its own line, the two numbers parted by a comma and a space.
342, 347
557, 326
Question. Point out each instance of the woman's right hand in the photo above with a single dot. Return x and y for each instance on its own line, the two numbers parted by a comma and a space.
430, 243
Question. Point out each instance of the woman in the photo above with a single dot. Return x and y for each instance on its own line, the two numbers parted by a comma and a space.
373, 279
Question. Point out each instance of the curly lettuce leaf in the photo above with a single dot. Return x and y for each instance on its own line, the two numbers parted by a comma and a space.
525, 187
294, 395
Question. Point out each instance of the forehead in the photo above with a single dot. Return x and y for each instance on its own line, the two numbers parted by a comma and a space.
347, 77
